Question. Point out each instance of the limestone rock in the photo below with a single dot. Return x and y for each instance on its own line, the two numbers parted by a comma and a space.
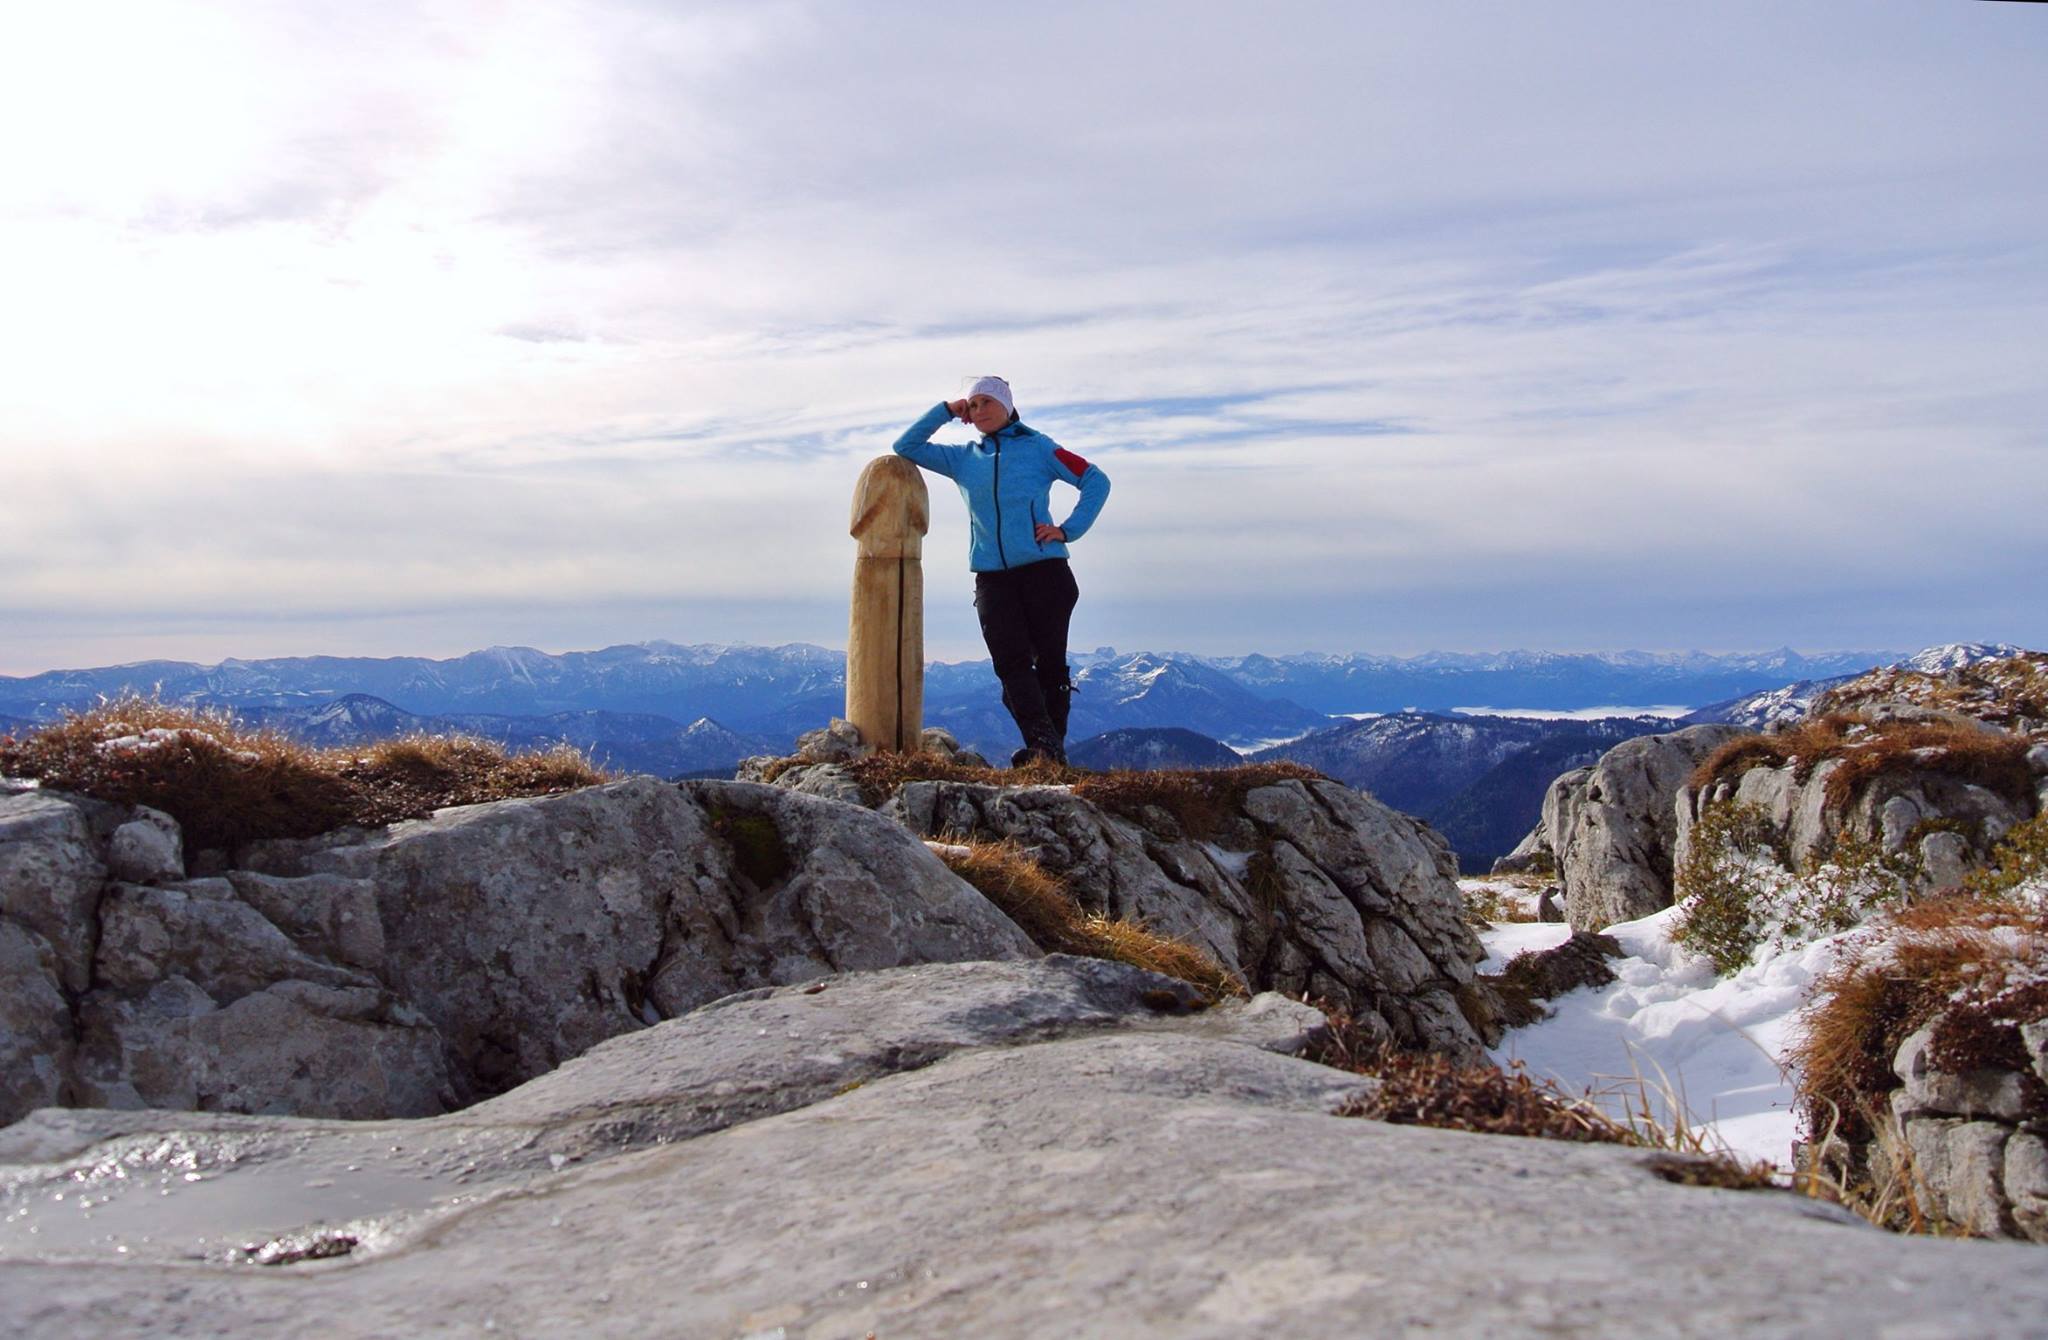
1311, 888
35, 1024
2035, 1037
1617, 846
1962, 1165
396, 971
294, 1047
51, 873
1944, 859
1532, 853
1030, 1156
833, 743
529, 930
332, 916
148, 849
2006, 1095
201, 932
1894, 809
2026, 1184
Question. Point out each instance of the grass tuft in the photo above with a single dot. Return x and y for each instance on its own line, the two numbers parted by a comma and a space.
1975, 961
227, 784
1043, 908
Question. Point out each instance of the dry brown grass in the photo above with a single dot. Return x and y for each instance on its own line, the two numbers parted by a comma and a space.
1881, 1181
1041, 905
1427, 1089
226, 784
1973, 960
1995, 760
1201, 800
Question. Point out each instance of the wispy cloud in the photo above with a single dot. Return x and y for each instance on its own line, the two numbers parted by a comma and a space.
392, 325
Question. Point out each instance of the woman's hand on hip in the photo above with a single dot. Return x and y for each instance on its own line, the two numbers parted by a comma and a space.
1045, 532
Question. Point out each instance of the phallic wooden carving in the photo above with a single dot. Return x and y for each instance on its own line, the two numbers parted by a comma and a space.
885, 631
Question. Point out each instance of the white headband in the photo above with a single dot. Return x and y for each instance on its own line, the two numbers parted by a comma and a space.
995, 388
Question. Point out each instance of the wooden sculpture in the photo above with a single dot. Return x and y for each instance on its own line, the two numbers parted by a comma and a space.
885, 633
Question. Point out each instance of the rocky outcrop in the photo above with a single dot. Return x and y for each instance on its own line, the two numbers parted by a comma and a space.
408, 970
1612, 829
1306, 887
1978, 1138
1014, 1149
1537, 852
1946, 823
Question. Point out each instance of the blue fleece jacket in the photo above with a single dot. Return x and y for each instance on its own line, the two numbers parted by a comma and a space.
1006, 481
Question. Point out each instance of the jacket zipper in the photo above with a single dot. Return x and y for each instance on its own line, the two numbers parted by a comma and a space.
995, 490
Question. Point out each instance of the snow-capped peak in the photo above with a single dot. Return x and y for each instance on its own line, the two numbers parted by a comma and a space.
1956, 655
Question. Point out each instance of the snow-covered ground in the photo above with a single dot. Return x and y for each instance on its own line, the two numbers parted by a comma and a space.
1712, 1042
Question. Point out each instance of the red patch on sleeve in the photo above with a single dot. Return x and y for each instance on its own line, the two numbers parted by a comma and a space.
1071, 461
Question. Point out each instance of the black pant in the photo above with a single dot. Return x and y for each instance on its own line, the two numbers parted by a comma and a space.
1024, 613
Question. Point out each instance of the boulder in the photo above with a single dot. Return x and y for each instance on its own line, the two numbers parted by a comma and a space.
1005, 1150
35, 1024
1307, 887
528, 930
147, 849
403, 971
1961, 1165
51, 873
1618, 834
1531, 855
2026, 1184
1926, 1089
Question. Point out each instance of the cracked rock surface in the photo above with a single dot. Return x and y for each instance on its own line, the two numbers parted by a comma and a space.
1054, 1147
410, 970
1310, 887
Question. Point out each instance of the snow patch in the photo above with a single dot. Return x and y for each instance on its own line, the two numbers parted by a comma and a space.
1235, 863
1716, 1043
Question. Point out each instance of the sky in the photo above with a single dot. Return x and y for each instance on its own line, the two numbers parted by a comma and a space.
390, 328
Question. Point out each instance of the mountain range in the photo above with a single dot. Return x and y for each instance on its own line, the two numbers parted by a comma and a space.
1478, 780
670, 709
781, 691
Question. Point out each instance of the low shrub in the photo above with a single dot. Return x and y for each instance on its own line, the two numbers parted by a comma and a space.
1493, 902
1734, 866
2018, 864
1043, 908
1737, 894
227, 784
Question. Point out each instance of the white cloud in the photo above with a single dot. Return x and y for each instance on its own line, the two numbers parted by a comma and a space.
1696, 318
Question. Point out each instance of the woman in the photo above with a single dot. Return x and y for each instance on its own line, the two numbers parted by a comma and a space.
1023, 588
